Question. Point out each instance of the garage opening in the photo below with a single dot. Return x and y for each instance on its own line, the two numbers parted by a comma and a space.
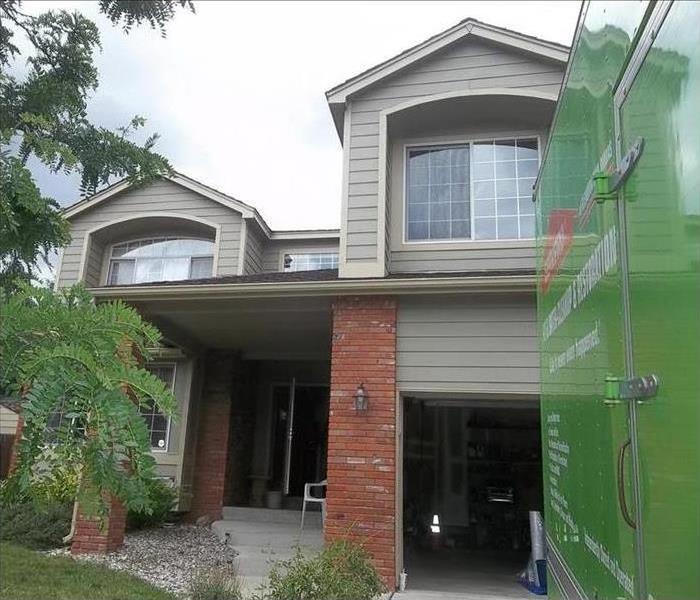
472, 471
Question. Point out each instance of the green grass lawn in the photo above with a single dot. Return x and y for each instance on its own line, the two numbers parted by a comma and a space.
25, 574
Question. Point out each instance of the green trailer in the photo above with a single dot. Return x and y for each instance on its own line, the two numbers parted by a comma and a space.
618, 211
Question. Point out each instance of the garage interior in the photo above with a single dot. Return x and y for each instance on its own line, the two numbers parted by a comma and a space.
472, 470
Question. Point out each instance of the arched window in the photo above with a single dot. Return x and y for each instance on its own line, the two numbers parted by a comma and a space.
160, 259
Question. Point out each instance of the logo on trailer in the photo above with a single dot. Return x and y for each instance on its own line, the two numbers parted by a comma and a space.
560, 236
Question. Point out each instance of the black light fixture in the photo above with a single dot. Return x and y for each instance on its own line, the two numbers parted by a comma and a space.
361, 398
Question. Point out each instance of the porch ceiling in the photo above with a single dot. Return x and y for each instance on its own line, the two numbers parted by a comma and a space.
261, 328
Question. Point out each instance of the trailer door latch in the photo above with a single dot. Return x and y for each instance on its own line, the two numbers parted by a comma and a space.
606, 185
618, 389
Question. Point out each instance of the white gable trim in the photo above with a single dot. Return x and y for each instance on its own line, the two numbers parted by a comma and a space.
524, 43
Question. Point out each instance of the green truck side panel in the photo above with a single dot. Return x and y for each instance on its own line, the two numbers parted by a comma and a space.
662, 204
582, 246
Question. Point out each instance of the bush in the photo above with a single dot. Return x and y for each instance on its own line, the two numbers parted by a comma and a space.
35, 524
216, 584
163, 498
342, 571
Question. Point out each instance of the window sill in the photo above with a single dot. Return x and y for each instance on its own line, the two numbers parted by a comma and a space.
422, 246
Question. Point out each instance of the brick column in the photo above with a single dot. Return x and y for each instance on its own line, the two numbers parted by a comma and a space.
19, 428
214, 414
93, 537
362, 445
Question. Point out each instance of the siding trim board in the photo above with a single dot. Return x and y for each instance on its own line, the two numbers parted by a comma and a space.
242, 247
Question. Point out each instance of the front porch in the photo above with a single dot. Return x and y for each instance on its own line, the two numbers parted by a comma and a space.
266, 390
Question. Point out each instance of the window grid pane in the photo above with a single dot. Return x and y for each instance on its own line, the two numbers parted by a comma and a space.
160, 259
502, 175
310, 261
157, 423
438, 194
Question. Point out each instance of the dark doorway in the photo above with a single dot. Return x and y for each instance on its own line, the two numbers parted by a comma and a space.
472, 471
300, 417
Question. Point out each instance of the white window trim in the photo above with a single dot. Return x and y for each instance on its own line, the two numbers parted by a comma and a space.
464, 242
110, 252
284, 253
134, 217
165, 448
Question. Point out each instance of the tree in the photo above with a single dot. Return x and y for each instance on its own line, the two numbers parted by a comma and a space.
81, 382
69, 360
44, 115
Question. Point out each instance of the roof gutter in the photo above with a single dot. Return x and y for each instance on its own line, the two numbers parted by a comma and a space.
359, 287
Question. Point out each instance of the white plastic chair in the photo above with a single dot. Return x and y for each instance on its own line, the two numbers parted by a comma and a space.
308, 497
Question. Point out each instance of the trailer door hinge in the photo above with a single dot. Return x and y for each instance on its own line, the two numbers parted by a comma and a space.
618, 389
606, 185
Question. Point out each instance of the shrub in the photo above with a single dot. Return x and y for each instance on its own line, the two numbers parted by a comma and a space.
216, 584
342, 571
162, 498
38, 525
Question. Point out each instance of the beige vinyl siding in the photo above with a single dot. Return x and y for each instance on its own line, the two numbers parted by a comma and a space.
521, 255
8, 421
276, 249
161, 196
468, 344
93, 264
470, 64
254, 249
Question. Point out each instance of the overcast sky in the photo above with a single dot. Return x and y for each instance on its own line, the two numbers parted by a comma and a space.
236, 90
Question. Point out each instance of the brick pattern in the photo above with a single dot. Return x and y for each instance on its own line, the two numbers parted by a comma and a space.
214, 414
19, 428
95, 536
362, 446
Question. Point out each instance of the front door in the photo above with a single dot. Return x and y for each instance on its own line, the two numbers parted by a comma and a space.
300, 439
658, 102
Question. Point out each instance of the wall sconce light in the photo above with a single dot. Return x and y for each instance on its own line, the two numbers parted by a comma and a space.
361, 398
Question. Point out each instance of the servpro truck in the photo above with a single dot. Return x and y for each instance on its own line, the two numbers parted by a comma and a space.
618, 209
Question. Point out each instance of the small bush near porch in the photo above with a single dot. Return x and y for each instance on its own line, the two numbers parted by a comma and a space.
341, 571
30, 575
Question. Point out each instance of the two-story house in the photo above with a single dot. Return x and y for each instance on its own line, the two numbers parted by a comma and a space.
396, 357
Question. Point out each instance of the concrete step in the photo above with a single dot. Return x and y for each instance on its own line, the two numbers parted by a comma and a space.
260, 544
268, 515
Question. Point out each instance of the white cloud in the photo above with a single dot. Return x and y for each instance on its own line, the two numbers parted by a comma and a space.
237, 90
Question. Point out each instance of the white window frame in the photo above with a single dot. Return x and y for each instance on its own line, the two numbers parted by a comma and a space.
307, 253
165, 448
163, 237
448, 144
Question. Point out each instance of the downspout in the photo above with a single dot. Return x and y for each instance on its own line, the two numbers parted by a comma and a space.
67, 539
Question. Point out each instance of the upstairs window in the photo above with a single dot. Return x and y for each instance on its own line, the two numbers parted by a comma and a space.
160, 259
473, 191
311, 261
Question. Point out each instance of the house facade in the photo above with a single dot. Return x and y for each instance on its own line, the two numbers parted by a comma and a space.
422, 306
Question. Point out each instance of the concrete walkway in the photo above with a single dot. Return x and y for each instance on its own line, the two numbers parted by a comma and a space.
425, 595
262, 537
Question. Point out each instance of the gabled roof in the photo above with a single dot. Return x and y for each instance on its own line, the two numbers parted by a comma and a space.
338, 95
246, 211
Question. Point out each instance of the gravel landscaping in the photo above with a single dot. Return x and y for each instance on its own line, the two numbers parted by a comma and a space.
168, 557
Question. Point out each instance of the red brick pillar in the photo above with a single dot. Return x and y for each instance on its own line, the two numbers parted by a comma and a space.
92, 536
19, 428
214, 415
362, 445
